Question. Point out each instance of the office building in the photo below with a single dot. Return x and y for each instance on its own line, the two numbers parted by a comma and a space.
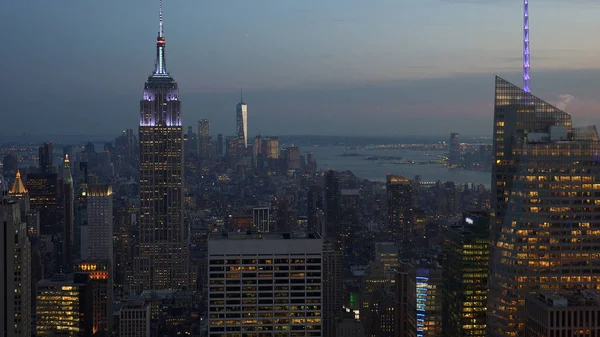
400, 212
332, 205
333, 289
293, 158
46, 158
465, 271
204, 142
265, 284
545, 225
68, 218
387, 253
454, 150
134, 318
64, 306
9, 217
271, 148
261, 219
45, 198
575, 313
425, 301
241, 122
100, 223
100, 287
162, 253
349, 327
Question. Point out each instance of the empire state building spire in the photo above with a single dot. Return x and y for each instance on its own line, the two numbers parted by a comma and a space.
161, 63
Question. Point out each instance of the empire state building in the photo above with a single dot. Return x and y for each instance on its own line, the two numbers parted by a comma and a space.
161, 259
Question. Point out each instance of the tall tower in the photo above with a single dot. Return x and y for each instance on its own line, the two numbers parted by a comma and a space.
161, 261
204, 143
526, 46
242, 121
46, 156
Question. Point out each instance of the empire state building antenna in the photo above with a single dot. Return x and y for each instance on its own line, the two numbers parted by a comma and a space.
526, 51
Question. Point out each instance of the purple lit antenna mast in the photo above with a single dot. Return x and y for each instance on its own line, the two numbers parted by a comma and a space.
526, 54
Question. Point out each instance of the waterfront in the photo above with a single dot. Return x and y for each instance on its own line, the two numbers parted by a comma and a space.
328, 157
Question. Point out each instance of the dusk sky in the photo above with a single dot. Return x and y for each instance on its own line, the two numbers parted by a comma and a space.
336, 67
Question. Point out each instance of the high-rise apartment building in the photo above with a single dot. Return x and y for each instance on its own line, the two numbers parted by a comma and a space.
265, 284
162, 258
454, 150
204, 142
545, 221
100, 223
241, 122
46, 158
465, 271
400, 212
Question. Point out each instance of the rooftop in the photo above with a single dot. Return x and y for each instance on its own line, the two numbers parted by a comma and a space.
581, 298
263, 236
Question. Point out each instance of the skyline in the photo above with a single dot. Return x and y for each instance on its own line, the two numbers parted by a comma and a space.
302, 77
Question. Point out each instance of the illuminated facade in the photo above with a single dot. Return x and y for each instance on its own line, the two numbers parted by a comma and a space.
63, 307
242, 122
400, 212
271, 150
465, 271
161, 261
425, 302
546, 220
265, 285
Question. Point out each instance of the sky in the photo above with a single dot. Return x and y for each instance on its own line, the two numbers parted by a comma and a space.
334, 67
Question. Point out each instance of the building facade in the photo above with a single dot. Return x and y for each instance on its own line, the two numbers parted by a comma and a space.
205, 147
265, 284
545, 221
134, 319
162, 252
466, 271
400, 212
241, 123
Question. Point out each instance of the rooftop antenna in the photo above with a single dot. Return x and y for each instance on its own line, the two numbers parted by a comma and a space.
242, 95
526, 52
160, 22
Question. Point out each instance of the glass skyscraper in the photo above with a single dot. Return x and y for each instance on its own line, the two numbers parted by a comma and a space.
241, 122
161, 259
545, 231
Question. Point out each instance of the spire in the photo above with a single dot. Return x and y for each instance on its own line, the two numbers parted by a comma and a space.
18, 187
160, 23
67, 173
526, 51
161, 63
242, 95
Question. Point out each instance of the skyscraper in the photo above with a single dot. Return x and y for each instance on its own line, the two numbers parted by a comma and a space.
400, 212
161, 261
100, 223
68, 199
9, 215
204, 144
454, 150
465, 272
545, 180
242, 122
46, 157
